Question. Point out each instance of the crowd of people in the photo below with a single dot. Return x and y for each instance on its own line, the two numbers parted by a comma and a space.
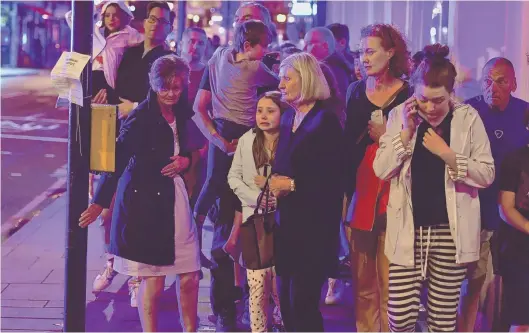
365, 159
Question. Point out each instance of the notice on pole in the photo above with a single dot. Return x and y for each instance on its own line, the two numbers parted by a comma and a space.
66, 76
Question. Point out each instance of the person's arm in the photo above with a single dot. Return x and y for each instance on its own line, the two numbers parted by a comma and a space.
265, 77
246, 194
510, 181
510, 214
476, 170
391, 152
204, 121
353, 151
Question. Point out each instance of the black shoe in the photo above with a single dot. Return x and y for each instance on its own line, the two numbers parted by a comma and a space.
225, 324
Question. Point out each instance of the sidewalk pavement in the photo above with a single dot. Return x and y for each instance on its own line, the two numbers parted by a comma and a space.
32, 286
10, 72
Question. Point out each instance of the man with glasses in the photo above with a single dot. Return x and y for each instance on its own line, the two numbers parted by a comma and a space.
132, 84
504, 118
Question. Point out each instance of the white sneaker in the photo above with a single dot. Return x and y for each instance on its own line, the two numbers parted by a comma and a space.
104, 280
335, 292
134, 286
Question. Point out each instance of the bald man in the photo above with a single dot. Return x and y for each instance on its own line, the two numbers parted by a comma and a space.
504, 117
321, 44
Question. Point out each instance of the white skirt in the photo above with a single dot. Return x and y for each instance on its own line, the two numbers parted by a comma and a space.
187, 252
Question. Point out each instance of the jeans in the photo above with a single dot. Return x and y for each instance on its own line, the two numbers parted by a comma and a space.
216, 186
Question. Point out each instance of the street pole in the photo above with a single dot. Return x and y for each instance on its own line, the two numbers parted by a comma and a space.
78, 169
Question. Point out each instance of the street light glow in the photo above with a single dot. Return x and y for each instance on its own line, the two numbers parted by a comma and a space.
196, 18
281, 18
217, 18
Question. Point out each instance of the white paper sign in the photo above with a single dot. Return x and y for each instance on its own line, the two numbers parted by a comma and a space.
66, 76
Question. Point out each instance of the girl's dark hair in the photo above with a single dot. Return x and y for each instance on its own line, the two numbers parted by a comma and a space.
125, 19
399, 64
252, 31
435, 70
260, 156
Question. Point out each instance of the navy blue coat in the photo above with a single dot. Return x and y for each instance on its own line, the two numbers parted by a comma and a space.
143, 218
307, 238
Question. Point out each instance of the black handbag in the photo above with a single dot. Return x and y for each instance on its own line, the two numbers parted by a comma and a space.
257, 236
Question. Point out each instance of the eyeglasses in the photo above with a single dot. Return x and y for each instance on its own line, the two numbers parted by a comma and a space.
153, 19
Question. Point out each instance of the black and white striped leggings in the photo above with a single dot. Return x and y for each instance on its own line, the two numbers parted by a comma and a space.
434, 260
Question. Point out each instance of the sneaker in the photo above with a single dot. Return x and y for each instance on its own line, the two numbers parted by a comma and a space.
134, 286
104, 280
335, 292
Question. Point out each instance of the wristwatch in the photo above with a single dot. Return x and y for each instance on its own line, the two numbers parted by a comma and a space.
292, 185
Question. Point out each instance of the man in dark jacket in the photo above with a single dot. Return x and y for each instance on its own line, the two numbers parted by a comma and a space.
320, 43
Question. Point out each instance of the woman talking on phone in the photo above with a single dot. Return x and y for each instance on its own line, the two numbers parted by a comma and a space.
436, 154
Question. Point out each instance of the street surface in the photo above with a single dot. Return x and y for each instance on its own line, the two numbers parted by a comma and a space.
34, 146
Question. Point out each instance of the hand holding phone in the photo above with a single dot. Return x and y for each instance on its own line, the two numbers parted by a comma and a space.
377, 117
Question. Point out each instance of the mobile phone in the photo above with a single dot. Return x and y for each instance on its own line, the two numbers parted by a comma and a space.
377, 117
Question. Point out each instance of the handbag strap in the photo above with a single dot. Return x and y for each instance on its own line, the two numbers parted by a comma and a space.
263, 192
385, 105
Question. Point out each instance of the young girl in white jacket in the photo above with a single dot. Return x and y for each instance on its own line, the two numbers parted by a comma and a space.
251, 164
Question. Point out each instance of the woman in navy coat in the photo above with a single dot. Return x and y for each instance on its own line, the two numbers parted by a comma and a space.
152, 233
307, 182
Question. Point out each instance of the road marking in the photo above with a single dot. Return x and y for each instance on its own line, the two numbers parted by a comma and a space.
35, 202
33, 118
49, 155
15, 174
27, 126
33, 138
13, 94
6, 152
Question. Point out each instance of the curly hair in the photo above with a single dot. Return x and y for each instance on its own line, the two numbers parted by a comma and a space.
392, 38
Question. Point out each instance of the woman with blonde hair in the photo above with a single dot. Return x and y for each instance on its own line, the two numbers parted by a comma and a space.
307, 182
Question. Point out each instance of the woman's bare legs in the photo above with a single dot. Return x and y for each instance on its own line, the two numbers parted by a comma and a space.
151, 288
188, 300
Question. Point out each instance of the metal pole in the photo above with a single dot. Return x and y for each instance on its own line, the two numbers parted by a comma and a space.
181, 19
78, 169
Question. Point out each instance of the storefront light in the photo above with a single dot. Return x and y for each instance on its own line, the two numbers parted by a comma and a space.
301, 9
281, 18
291, 19
196, 18
222, 30
189, 16
45, 16
132, 8
216, 18
171, 5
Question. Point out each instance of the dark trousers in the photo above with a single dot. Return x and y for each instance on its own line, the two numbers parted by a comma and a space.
299, 296
223, 291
